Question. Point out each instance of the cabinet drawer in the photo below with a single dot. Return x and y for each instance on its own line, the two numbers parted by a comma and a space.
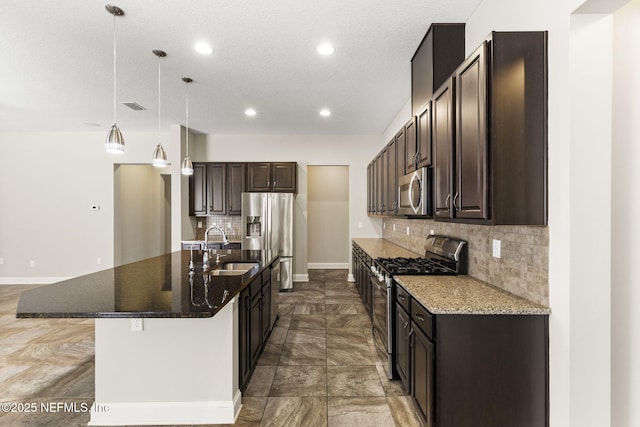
422, 318
403, 298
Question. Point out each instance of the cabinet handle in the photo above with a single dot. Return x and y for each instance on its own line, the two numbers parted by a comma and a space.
229, 208
410, 337
420, 317
446, 201
417, 159
405, 325
401, 297
457, 208
275, 184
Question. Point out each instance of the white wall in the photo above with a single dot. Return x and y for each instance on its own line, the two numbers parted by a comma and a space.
625, 316
48, 181
355, 151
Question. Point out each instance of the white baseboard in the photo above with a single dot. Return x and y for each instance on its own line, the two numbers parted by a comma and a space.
327, 265
166, 413
300, 277
31, 280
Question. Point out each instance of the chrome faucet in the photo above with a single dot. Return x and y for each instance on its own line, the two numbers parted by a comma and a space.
225, 241
205, 256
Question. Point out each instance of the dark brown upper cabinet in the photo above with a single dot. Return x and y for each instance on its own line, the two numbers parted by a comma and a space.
498, 167
423, 136
208, 189
272, 177
198, 190
443, 134
392, 174
235, 187
407, 154
438, 55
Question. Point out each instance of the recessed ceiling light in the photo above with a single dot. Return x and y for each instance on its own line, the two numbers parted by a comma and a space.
203, 48
325, 113
325, 49
250, 112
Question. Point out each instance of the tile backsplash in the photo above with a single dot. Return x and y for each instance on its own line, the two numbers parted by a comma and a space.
231, 224
522, 269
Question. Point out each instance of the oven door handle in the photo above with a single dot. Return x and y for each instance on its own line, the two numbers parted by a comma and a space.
375, 342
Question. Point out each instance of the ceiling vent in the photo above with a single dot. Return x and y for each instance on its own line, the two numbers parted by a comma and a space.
134, 106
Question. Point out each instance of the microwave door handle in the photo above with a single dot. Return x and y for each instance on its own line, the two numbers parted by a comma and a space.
413, 178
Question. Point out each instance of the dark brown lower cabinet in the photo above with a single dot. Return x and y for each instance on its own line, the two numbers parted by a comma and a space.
422, 373
472, 370
402, 347
254, 324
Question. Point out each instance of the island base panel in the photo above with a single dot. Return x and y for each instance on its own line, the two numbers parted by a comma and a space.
174, 371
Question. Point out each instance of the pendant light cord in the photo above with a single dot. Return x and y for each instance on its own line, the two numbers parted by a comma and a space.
187, 110
159, 103
114, 69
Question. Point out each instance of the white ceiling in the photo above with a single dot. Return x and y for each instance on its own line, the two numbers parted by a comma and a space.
57, 63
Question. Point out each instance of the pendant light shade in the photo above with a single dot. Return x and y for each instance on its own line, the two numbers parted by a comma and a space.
159, 155
115, 141
187, 166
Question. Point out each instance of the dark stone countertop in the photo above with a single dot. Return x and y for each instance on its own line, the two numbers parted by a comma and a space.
156, 287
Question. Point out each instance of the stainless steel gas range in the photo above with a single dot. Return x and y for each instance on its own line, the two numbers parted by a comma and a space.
443, 256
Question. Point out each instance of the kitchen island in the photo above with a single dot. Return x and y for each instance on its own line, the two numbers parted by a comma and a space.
166, 335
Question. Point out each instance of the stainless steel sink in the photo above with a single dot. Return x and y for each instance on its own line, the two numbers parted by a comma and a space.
237, 266
227, 272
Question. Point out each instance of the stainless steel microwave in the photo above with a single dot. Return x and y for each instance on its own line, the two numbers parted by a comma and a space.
414, 193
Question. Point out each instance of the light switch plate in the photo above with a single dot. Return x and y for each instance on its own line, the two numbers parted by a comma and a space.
137, 325
407, 231
496, 248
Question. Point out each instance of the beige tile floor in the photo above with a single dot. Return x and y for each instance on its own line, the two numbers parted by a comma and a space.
319, 367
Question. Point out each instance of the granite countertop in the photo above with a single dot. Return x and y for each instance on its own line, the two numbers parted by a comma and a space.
451, 294
380, 248
465, 295
156, 287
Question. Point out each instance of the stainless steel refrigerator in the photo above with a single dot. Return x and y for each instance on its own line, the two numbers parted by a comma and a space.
267, 224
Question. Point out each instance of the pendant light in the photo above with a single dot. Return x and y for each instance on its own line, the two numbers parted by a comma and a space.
187, 166
115, 141
159, 155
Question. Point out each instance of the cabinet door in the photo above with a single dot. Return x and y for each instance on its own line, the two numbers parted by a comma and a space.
379, 188
411, 147
284, 177
470, 198
402, 349
423, 119
266, 310
259, 177
198, 190
443, 133
392, 175
245, 333
255, 335
217, 184
407, 139
422, 373
235, 187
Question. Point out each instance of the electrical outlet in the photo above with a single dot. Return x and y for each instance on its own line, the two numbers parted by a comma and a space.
99, 260
1, 261
229, 225
394, 227
496, 248
32, 263
199, 224
384, 225
432, 232
137, 325
360, 224
407, 231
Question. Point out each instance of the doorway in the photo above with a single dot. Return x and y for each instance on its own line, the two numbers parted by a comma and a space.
328, 217
142, 213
